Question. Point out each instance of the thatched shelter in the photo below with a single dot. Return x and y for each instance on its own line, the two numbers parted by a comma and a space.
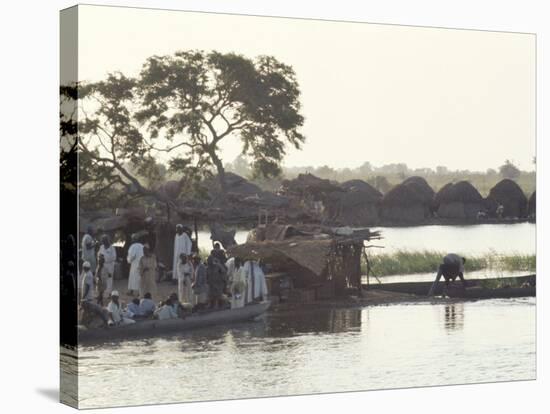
312, 257
359, 205
458, 201
408, 202
508, 194
532, 206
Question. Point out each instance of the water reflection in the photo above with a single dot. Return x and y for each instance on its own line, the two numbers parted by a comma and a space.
454, 316
318, 350
317, 321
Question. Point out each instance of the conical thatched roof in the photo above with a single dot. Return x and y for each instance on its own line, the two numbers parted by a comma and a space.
403, 195
308, 183
511, 196
365, 190
421, 186
462, 191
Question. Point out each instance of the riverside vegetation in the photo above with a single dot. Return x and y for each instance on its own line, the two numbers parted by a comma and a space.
404, 262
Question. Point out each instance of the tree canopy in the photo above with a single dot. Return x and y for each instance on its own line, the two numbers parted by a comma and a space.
195, 100
179, 109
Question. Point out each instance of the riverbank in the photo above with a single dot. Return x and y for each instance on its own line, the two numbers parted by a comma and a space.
407, 262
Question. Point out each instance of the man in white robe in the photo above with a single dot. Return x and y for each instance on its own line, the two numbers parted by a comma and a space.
236, 282
109, 256
185, 280
182, 244
88, 248
256, 288
135, 252
116, 316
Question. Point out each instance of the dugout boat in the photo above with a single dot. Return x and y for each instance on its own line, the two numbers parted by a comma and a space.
490, 288
154, 327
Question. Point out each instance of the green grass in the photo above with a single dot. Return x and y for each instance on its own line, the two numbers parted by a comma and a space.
409, 262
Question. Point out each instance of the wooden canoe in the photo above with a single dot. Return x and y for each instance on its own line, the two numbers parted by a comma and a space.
153, 327
475, 288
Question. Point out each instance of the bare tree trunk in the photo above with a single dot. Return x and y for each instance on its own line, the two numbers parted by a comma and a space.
221, 174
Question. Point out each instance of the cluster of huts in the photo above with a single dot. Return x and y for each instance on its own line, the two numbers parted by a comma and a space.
357, 203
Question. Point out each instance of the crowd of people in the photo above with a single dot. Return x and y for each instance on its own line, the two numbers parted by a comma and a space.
215, 283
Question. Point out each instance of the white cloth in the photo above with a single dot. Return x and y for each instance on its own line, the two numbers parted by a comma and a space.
88, 253
185, 280
109, 254
87, 280
135, 252
117, 315
107, 280
255, 281
230, 266
182, 244
238, 288
167, 312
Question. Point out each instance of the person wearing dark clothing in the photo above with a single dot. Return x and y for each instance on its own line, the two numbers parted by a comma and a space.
451, 268
216, 275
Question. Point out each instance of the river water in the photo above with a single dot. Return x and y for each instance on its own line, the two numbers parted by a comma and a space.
319, 350
468, 240
315, 350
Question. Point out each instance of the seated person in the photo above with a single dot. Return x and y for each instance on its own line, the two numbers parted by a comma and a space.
116, 316
166, 311
133, 309
147, 307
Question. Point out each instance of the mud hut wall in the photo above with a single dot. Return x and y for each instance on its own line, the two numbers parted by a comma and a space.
412, 213
459, 210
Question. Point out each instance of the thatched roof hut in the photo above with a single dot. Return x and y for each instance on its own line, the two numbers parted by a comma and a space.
316, 196
421, 186
359, 205
408, 202
458, 201
508, 194
532, 205
309, 184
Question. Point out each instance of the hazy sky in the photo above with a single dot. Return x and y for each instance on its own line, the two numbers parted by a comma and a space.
377, 93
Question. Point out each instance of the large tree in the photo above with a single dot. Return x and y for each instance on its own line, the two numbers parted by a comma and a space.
192, 100
115, 155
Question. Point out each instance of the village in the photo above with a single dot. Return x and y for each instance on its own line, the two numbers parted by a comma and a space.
311, 237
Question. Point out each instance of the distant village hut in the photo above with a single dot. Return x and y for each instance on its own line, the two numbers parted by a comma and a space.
409, 202
510, 196
317, 197
359, 205
458, 201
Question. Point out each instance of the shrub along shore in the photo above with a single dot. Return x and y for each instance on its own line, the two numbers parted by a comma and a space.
403, 262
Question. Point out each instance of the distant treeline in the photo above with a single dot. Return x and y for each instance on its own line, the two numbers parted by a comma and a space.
387, 176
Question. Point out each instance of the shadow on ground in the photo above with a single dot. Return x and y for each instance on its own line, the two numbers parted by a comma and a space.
49, 393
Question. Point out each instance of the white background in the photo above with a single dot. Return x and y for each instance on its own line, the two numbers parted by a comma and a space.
29, 203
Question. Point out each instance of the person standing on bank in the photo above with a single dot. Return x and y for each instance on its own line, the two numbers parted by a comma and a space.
88, 247
200, 283
109, 256
182, 244
135, 252
451, 268
185, 279
148, 272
